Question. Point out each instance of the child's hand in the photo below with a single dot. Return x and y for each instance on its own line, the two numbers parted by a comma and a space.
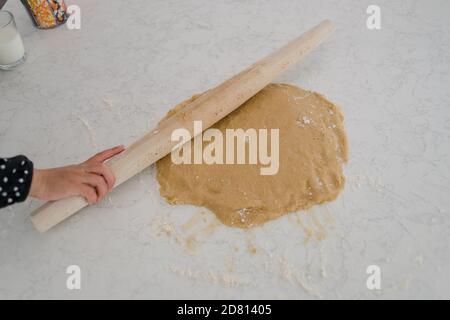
91, 179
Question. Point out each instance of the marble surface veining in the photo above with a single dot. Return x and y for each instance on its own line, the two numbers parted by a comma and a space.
108, 83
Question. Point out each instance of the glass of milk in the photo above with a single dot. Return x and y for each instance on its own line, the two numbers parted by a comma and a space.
12, 51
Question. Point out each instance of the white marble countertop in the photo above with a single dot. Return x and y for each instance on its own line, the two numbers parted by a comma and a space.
106, 84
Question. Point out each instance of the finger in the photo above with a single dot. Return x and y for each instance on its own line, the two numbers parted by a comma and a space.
104, 171
99, 183
105, 155
88, 192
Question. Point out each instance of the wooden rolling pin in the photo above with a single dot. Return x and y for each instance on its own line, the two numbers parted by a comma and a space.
209, 108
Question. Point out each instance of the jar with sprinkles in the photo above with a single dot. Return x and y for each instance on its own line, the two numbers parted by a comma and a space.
46, 14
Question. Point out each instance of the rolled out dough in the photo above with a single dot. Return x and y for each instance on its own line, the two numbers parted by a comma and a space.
313, 148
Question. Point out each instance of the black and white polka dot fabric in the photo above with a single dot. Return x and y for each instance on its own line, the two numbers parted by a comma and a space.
15, 179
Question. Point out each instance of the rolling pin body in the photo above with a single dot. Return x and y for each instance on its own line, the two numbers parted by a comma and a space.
208, 108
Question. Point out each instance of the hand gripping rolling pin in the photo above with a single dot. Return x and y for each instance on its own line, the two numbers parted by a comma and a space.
209, 108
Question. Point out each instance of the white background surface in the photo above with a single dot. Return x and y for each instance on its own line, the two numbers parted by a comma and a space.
133, 60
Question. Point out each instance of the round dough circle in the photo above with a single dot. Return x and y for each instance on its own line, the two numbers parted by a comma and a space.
313, 148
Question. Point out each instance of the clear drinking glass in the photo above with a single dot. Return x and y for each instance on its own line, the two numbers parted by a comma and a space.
12, 51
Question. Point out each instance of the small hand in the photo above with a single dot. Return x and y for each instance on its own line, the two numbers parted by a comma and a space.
91, 179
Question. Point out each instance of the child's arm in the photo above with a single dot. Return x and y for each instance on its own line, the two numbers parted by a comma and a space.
91, 179
15, 179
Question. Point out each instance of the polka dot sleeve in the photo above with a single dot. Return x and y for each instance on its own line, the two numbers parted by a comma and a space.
15, 179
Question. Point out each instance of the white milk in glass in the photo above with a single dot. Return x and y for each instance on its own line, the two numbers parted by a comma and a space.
11, 46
